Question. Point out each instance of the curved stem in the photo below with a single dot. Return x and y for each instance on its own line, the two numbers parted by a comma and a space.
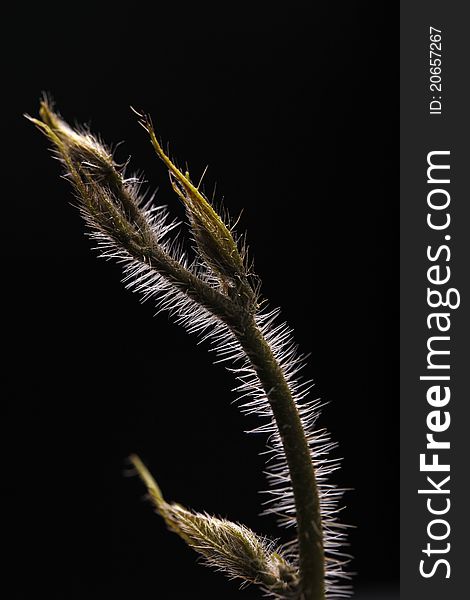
299, 461
113, 209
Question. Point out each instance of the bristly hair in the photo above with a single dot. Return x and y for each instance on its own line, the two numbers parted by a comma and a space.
217, 296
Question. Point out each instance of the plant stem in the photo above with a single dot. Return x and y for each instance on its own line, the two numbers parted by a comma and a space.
115, 211
299, 461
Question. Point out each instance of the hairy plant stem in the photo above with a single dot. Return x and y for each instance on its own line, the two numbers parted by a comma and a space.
287, 418
111, 207
286, 415
301, 469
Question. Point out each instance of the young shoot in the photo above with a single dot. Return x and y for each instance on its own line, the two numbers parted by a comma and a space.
218, 296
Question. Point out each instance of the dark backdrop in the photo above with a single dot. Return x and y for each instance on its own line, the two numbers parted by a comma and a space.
294, 109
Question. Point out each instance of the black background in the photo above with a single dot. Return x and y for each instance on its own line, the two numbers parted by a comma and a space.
294, 109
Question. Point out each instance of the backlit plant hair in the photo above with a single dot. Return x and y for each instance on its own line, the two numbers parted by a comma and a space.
217, 296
